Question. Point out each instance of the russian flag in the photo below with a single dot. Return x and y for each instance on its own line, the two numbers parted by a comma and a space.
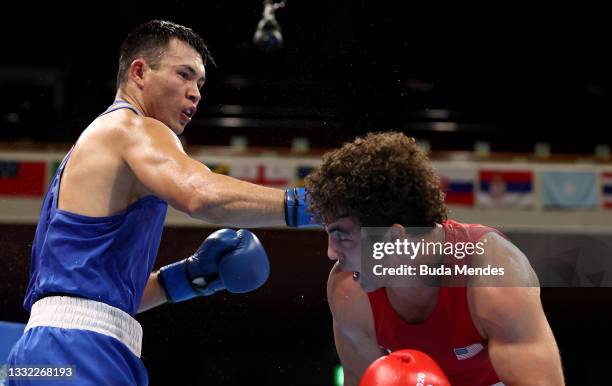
22, 178
458, 185
506, 188
606, 189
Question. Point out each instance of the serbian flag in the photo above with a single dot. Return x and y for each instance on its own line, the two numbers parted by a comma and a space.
505, 189
276, 174
606, 189
22, 179
458, 185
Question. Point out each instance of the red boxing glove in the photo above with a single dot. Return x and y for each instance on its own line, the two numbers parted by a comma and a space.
404, 368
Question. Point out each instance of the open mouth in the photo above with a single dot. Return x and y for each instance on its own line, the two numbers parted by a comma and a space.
187, 114
355, 275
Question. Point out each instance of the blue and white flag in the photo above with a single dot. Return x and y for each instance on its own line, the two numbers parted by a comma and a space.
569, 189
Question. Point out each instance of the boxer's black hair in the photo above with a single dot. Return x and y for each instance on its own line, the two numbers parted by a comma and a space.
380, 180
150, 40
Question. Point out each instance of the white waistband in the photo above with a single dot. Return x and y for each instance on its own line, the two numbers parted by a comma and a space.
85, 314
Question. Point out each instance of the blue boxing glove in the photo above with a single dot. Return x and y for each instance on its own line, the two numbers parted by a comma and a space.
296, 209
227, 259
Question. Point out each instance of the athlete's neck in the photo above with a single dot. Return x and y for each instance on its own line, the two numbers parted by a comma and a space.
124, 96
413, 304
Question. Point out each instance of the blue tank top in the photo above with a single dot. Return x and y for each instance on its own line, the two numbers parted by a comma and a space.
107, 259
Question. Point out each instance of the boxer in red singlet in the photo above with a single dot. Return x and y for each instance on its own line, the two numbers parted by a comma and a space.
479, 334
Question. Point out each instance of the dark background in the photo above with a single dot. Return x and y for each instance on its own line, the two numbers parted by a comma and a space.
513, 76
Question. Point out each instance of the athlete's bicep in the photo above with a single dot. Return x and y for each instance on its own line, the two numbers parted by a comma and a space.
157, 159
522, 347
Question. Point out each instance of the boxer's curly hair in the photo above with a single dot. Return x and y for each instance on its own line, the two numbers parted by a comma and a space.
149, 40
379, 180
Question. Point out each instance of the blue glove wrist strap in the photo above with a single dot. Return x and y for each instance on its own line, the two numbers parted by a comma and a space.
174, 279
296, 209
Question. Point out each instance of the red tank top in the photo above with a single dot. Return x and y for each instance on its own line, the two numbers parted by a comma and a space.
448, 335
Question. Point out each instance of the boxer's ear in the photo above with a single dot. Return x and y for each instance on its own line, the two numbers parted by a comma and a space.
397, 231
137, 71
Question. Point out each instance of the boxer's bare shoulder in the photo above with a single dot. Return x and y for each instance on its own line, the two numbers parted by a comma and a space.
502, 255
98, 179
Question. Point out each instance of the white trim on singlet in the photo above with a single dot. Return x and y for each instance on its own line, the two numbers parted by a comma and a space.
84, 314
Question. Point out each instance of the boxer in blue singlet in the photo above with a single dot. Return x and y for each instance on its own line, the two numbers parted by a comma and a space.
102, 219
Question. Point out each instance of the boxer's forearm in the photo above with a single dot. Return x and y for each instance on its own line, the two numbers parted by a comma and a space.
230, 202
153, 296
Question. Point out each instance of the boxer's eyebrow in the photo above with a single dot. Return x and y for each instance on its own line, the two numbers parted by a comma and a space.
192, 72
189, 69
337, 228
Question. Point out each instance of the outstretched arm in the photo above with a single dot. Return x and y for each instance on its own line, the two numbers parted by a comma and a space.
157, 159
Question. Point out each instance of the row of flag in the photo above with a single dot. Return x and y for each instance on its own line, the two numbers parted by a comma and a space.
560, 189
30, 179
464, 186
